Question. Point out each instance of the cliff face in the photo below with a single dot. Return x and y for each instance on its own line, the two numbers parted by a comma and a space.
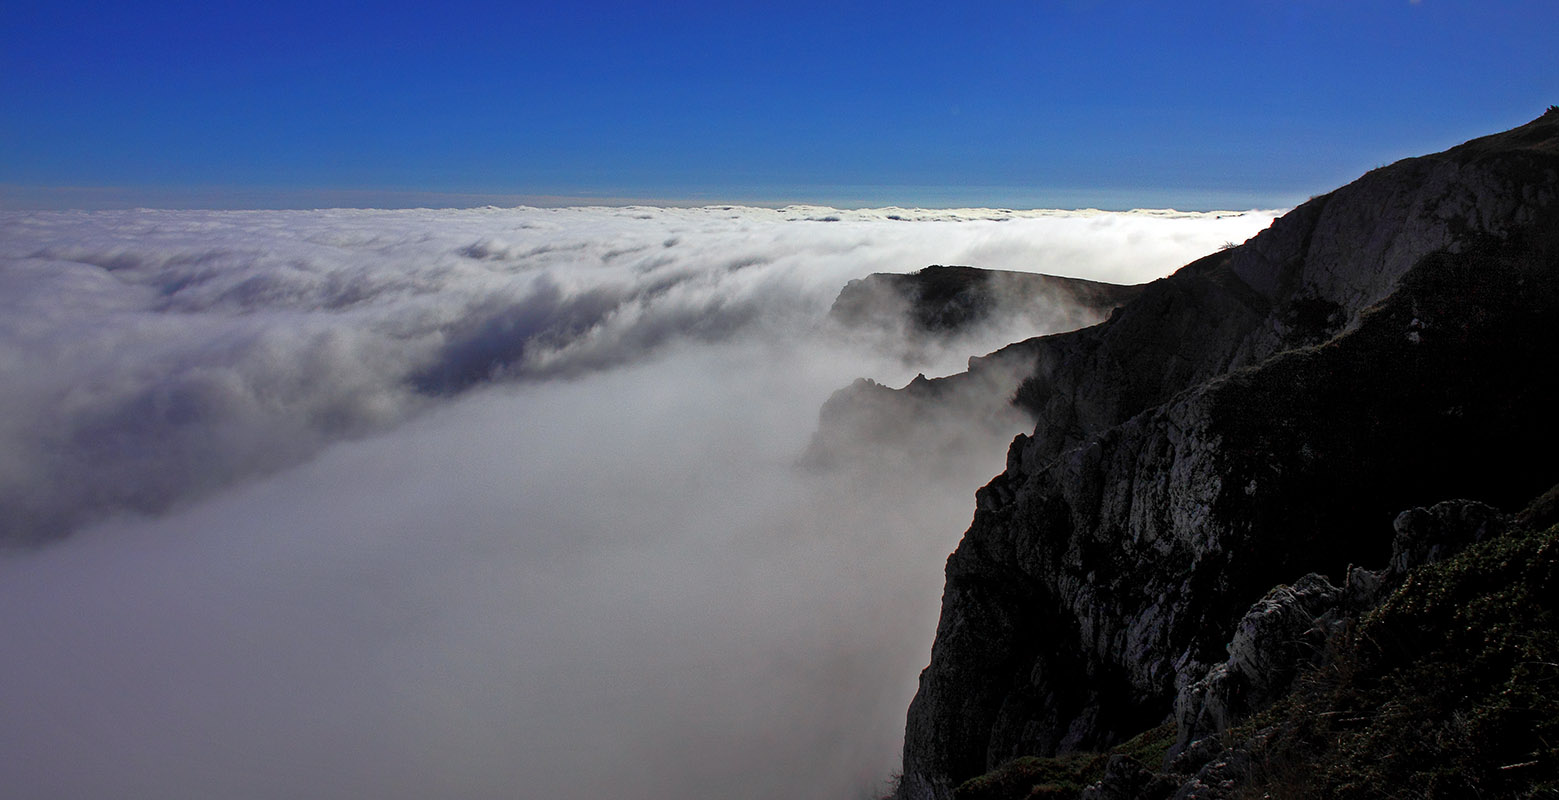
1263, 413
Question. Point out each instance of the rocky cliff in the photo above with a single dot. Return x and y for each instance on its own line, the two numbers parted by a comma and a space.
1260, 415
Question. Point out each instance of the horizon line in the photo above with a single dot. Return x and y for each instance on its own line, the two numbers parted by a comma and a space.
843, 197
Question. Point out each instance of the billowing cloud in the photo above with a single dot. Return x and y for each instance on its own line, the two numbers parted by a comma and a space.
477, 503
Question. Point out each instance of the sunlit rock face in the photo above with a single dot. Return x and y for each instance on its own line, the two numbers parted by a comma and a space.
1261, 414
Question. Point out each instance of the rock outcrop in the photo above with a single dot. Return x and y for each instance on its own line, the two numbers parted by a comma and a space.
946, 308
1261, 415
941, 300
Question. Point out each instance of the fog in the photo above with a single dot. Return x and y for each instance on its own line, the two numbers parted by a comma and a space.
487, 503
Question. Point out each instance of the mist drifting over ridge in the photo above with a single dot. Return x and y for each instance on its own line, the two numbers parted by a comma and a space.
445, 503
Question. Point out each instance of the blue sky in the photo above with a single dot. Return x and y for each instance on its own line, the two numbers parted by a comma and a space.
1033, 103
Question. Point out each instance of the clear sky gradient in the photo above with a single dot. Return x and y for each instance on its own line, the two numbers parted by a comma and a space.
1067, 103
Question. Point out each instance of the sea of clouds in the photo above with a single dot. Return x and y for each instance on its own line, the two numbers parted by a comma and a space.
479, 503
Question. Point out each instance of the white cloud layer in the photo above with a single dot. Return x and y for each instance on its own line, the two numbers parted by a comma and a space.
476, 503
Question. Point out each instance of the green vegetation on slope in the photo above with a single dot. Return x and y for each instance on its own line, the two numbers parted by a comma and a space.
1449, 690
1064, 775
